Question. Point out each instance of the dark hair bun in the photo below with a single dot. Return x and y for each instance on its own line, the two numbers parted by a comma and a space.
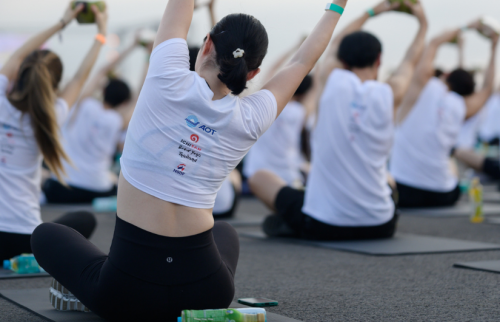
233, 32
359, 49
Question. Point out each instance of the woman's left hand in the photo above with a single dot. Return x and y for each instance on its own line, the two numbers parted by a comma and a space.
71, 13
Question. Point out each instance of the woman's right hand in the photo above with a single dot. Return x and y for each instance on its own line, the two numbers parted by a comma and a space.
71, 13
417, 10
101, 19
385, 6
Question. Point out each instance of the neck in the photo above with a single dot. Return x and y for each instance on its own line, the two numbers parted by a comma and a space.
219, 89
365, 74
107, 106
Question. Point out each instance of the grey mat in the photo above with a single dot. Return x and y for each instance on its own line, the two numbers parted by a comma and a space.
491, 196
401, 244
460, 210
493, 221
37, 301
6, 274
235, 222
487, 266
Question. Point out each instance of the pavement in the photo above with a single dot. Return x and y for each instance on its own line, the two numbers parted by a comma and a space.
314, 284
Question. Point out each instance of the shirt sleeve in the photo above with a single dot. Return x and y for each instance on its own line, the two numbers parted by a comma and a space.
259, 112
169, 56
4, 85
62, 111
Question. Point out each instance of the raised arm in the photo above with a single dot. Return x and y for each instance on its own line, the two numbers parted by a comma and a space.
98, 81
400, 80
74, 88
176, 21
330, 62
286, 82
11, 67
476, 101
275, 68
211, 10
423, 73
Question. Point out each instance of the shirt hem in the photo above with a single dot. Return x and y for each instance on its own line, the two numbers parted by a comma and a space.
160, 195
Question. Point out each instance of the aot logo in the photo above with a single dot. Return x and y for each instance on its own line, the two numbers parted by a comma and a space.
195, 138
192, 121
180, 169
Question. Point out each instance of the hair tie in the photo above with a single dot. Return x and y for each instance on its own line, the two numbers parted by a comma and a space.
238, 53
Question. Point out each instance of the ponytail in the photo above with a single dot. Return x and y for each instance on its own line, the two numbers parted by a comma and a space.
243, 32
34, 94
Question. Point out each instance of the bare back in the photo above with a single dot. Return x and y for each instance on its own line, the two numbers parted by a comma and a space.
160, 217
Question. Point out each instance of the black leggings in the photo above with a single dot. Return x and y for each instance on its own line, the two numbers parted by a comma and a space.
410, 197
16, 244
146, 277
56, 193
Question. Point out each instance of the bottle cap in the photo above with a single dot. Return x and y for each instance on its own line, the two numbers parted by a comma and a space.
179, 319
6, 264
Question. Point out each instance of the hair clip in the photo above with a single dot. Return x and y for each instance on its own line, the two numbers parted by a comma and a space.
238, 53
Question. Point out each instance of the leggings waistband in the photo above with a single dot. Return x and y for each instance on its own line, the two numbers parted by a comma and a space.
163, 260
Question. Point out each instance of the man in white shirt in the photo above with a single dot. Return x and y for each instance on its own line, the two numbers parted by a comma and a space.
347, 195
428, 126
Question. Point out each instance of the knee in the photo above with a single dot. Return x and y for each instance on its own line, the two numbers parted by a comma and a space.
82, 221
259, 179
42, 237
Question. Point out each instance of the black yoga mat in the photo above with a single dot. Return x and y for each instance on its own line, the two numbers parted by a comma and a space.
401, 244
487, 266
37, 301
6, 274
460, 210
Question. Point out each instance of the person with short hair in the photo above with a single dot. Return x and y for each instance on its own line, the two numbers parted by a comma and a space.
347, 195
91, 137
188, 132
32, 110
428, 125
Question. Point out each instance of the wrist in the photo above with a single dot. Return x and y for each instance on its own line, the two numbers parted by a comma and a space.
341, 3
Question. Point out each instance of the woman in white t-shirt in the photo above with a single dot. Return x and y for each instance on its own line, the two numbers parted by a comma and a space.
188, 132
347, 195
31, 113
428, 125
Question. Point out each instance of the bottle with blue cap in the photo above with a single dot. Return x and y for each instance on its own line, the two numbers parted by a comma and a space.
23, 264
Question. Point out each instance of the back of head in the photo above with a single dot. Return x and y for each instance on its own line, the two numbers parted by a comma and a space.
238, 31
193, 55
305, 86
359, 50
116, 93
461, 82
34, 93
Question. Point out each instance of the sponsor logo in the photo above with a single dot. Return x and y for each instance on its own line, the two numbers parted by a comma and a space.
195, 138
186, 143
170, 260
186, 156
192, 121
180, 169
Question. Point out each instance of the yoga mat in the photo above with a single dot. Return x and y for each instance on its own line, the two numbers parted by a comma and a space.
37, 301
7, 274
401, 244
235, 222
493, 221
486, 266
460, 210
491, 197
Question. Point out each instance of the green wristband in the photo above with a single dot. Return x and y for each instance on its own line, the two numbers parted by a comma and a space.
335, 8
371, 12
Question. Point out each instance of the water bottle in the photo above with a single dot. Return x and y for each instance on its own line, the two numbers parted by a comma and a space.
226, 315
109, 204
476, 197
23, 264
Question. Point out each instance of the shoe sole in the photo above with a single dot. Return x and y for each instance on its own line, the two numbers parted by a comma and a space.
62, 299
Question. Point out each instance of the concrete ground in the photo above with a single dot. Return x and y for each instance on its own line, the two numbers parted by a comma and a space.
313, 284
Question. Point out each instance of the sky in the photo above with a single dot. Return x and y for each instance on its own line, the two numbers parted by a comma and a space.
285, 20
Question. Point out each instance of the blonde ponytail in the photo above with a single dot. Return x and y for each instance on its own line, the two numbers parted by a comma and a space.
34, 94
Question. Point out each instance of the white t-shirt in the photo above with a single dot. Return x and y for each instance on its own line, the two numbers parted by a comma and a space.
423, 142
279, 149
351, 143
225, 198
20, 166
490, 129
90, 140
181, 145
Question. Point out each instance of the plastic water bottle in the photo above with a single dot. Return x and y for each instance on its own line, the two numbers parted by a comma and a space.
226, 315
109, 204
23, 264
476, 197
465, 181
